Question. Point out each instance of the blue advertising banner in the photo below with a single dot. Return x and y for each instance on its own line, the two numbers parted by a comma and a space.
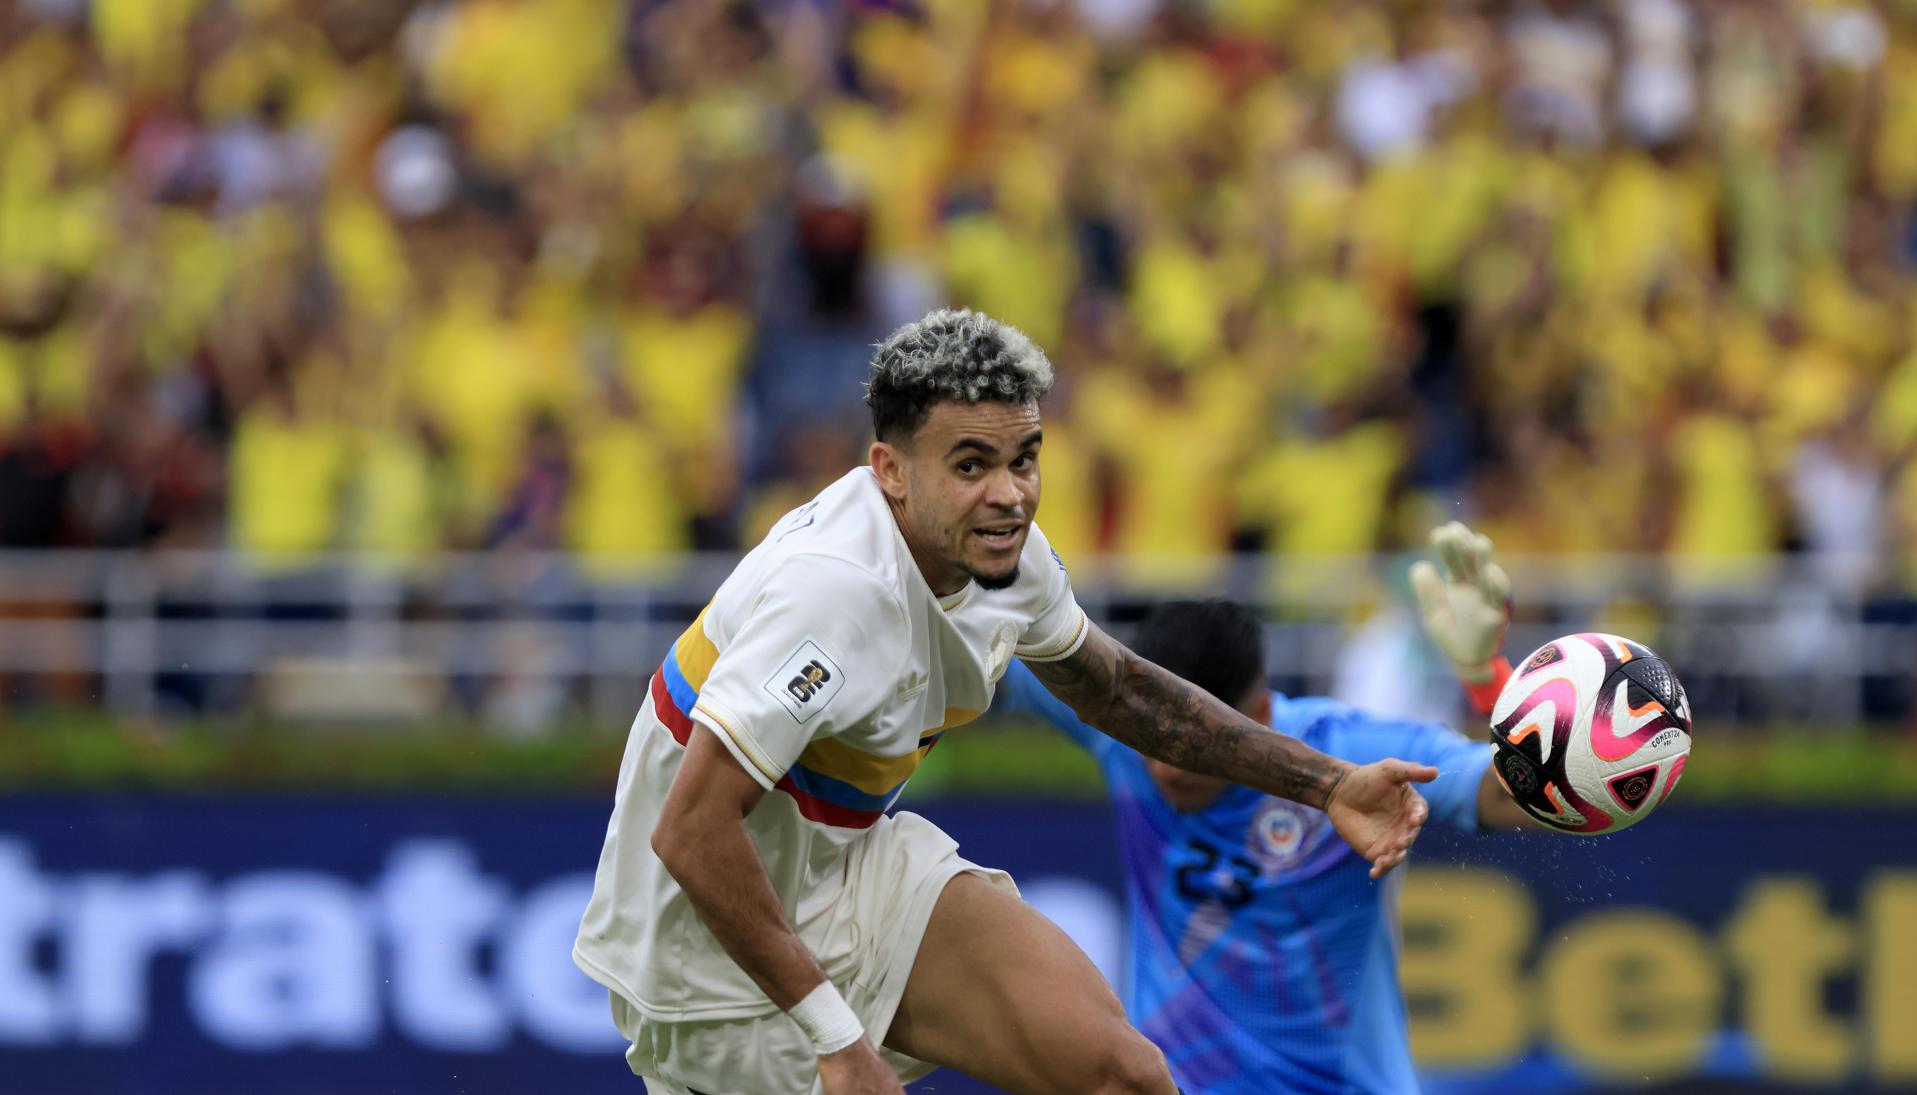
313, 946
1725, 948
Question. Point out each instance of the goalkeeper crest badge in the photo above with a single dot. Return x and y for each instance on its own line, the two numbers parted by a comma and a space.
806, 682
1282, 834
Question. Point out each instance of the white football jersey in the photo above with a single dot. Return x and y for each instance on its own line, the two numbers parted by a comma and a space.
829, 669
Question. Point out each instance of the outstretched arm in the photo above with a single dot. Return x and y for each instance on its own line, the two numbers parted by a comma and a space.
1465, 601
1165, 717
1498, 810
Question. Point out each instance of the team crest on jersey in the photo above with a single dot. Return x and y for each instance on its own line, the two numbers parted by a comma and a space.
1281, 834
806, 682
1004, 645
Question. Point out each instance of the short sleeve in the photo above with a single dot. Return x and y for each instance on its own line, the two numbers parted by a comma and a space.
1453, 796
1058, 626
818, 653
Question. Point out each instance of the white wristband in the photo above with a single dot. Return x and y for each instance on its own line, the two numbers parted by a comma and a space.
827, 1019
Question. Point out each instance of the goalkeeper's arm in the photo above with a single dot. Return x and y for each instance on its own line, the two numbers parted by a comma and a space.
1465, 600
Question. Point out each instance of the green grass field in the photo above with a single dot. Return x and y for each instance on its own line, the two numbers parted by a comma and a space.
68, 751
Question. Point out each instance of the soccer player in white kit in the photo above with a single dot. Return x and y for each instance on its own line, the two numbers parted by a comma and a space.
763, 925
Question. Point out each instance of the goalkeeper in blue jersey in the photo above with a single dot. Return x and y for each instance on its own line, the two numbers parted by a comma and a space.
1264, 956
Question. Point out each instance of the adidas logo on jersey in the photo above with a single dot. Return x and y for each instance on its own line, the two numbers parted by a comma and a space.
913, 684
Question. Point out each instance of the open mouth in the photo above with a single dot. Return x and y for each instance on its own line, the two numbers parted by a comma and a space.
999, 535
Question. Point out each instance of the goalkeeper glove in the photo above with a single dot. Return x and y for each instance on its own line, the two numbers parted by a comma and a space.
1465, 600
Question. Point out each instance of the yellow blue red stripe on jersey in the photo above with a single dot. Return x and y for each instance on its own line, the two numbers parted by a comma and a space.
833, 783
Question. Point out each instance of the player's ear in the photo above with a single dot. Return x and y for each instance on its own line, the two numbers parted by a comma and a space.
1259, 709
888, 465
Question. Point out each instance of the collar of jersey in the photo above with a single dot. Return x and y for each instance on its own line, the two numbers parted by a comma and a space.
952, 601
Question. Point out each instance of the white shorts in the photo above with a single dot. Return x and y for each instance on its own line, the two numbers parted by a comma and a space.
898, 871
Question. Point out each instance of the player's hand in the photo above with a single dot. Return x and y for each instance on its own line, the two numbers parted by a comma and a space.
1465, 600
1378, 812
858, 1070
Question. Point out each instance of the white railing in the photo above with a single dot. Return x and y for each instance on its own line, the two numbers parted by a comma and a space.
520, 638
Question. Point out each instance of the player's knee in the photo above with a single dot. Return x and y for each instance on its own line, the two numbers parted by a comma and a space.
1128, 1064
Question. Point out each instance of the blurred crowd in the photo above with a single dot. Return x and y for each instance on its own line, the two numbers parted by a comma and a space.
391, 278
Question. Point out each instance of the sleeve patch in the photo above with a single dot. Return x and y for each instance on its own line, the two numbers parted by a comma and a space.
806, 682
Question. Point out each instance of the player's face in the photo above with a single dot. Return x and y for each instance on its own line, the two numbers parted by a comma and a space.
970, 490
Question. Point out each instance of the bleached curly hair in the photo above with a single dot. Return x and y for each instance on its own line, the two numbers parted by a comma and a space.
952, 355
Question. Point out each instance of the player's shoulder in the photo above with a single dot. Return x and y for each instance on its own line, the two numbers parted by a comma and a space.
1307, 717
816, 596
1352, 733
1331, 725
845, 533
1038, 552
1041, 571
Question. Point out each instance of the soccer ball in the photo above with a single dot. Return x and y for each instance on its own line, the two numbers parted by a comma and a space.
1591, 733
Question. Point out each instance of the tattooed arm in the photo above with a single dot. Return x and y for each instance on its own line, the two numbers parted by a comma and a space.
1170, 719
1163, 716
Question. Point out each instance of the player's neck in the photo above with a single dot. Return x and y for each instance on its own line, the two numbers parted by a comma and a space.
943, 578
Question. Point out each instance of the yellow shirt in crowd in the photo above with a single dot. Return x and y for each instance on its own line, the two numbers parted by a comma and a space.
685, 370
285, 478
625, 509
1175, 452
1724, 524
